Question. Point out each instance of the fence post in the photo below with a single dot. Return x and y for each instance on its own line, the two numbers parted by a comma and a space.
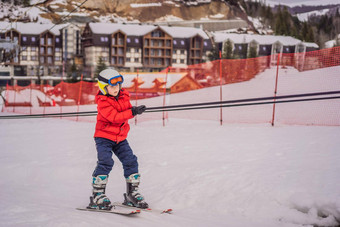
31, 97
166, 80
275, 91
15, 95
221, 113
79, 96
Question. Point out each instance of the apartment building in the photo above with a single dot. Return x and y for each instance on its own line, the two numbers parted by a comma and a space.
147, 47
43, 47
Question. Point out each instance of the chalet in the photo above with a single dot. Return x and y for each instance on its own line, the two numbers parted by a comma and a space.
147, 47
147, 85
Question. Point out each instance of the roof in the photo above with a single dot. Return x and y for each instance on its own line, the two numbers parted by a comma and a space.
128, 29
184, 32
260, 39
140, 30
148, 79
31, 28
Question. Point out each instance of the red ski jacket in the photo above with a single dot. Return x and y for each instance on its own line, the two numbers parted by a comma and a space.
113, 116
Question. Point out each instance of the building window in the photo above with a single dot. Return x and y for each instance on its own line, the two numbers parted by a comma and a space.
129, 49
136, 60
57, 58
128, 40
49, 41
33, 39
24, 38
42, 50
24, 58
182, 42
33, 49
49, 50
57, 40
42, 41
182, 61
240, 47
182, 51
264, 48
33, 58
128, 59
57, 49
175, 42
104, 39
174, 61
136, 40
137, 50
205, 43
49, 60
120, 51
156, 34
42, 60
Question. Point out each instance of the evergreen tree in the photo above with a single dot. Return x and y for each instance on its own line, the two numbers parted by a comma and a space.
228, 50
252, 52
214, 54
100, 67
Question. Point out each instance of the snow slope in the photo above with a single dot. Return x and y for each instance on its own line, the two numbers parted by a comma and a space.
211, 175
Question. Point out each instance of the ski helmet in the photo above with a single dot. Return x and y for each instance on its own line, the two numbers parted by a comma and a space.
109, 77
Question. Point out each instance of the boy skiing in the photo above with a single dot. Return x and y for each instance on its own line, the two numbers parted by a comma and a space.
114, 111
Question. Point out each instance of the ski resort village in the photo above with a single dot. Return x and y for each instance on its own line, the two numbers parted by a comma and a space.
170, 113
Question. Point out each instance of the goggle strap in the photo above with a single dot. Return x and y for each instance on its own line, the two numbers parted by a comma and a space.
103, 79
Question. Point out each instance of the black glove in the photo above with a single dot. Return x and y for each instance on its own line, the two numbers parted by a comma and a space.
138, 110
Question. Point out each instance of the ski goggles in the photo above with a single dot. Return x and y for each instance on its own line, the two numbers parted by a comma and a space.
113, 81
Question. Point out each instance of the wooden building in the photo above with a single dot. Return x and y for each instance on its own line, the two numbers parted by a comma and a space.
128, 47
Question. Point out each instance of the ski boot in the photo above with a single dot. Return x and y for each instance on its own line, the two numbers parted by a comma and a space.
132, 197
99, 200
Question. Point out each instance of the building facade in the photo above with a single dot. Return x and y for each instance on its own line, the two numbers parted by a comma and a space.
145, 47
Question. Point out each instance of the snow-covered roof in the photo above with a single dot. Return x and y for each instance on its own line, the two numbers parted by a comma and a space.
330, 43
128, 29
260, 39
148, 79
140, 30
184, 32
31, 28
309, 44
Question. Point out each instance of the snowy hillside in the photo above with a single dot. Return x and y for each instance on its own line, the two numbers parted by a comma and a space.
239, 175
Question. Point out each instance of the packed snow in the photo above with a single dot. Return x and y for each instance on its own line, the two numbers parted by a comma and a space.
236, 174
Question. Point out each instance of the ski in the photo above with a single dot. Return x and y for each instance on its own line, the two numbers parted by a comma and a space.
114, 210
160, 211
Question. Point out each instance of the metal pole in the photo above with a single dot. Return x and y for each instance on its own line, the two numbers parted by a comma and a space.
221, 113
275, 91
166, 79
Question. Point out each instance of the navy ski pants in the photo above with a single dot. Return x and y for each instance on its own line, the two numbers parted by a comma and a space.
105, 149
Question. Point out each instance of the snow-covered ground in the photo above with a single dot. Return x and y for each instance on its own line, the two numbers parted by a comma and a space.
236, 174
211, 175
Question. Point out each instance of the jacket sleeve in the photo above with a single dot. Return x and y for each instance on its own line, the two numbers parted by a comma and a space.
111, 114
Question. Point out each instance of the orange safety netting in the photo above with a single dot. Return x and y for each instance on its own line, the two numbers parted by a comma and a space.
276, 74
